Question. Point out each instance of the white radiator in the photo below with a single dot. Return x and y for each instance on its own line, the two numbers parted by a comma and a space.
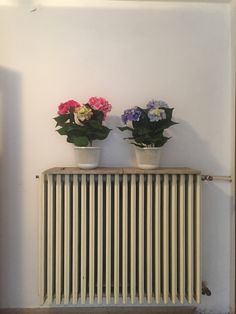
117, 235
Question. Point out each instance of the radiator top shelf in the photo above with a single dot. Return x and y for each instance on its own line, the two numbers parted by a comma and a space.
118, 170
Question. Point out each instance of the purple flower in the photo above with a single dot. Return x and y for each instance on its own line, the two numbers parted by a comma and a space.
152, 104
132, 114
156, 104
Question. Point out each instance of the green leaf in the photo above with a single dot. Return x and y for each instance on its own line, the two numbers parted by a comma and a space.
161, 141
138, 145
165, 124
168, 112
63, 130
95, 124
73, 127
102, 133
97, 116
125, 128
80, 141
69, 139
61, 120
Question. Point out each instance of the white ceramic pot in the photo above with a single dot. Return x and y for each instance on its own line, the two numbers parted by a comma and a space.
87, 157
148, 157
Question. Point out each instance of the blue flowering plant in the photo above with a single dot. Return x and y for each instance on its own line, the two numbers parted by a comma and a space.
147, 125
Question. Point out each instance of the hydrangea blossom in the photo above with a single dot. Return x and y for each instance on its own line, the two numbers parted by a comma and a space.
156, 114
64, 108
157, 104
132, 114
82, 114
100, 103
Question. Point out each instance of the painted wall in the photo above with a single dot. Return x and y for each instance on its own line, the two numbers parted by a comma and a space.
129, 53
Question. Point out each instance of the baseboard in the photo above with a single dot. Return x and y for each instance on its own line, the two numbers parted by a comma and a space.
101, 310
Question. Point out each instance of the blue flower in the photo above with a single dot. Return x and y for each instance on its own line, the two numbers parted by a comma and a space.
156, 104
132, 114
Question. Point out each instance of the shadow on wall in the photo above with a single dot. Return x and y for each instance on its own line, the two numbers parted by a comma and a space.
184, 149
116, 152
10, 186
187, 149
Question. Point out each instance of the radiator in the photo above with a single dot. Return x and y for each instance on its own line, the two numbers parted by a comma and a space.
119, 235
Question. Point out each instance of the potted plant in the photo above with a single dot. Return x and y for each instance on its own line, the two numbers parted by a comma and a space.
147, 126
82, 124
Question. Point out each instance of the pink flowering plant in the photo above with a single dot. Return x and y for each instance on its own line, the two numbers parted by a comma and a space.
147, 125
83, 123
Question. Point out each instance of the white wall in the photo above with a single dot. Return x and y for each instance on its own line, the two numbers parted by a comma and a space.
233, 260
179, 52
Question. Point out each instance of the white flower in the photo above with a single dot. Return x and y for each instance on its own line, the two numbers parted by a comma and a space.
82, 114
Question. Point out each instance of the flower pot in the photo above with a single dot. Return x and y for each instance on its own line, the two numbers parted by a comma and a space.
87, 157
148, 157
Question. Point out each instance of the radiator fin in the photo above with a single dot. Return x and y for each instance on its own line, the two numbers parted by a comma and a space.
141, 238
83, 238
190, 240
50, 231
91, 239
158, 240
59, 242
100, 239
149, 238
182, 239
133, 239
75, 240
108, 239
116, 238
173, 222
125, 240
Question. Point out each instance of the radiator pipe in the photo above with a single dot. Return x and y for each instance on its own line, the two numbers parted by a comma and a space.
216, 178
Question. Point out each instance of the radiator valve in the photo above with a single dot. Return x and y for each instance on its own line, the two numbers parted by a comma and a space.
207, 178
205, 289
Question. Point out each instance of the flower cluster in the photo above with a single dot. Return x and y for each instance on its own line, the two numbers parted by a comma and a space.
148, 124
96, 103
83, 123
65, 107
132, 114
100, 103
155, 112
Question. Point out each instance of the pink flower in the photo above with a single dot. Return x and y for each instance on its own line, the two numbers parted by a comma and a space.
100, 103
64, 108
